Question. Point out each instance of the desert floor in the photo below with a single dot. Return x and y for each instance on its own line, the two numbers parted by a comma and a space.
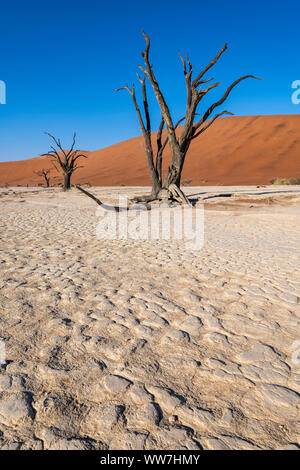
132, 344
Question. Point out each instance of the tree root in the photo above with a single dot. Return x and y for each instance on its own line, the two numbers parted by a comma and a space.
179, 195
172, 194
145, 198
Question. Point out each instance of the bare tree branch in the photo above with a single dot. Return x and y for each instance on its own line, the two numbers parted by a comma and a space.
221, 101
188, 76
146, 130
138, 111
160, 98
203, 129
196, 81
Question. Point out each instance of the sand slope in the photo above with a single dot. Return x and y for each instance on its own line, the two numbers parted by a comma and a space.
235, 150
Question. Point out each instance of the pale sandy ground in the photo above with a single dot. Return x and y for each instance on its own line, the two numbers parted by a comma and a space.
144, 344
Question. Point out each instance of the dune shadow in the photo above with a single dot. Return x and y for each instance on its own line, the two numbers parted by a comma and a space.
209, 194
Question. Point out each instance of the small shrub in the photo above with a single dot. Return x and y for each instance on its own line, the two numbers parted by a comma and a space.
279, 181
295, 181
186, 182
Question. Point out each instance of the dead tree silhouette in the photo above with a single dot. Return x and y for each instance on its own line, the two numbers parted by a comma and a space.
44, 173
66, 160
179, 144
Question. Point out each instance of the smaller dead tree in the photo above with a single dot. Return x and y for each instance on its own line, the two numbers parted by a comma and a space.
44, 173
66, 160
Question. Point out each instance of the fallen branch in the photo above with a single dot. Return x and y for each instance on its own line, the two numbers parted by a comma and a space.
109, 207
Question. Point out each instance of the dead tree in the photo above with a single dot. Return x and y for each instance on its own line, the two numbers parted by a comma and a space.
154, 165
179, 145
169, 187
44, 172
66, 160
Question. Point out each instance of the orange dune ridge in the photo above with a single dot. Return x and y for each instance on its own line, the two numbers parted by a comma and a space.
242, 150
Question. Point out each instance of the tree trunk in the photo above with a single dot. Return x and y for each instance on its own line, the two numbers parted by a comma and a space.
155, 183
155, 180
67, 181
173, 175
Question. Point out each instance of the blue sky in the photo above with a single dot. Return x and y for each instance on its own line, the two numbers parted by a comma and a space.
62, 60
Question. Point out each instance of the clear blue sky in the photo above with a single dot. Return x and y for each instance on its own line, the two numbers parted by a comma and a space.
61, 61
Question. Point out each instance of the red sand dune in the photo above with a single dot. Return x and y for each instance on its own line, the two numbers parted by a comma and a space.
234, 151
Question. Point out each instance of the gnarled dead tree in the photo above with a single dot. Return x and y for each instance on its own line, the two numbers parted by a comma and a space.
154, 165
66, 160
169, 187
44, 173
179, 145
